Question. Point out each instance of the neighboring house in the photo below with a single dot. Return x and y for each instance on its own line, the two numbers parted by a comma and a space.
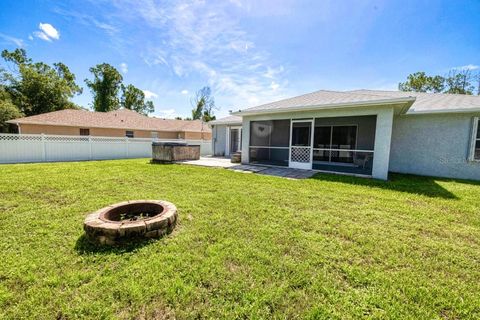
226, 136
118, 123
362, 132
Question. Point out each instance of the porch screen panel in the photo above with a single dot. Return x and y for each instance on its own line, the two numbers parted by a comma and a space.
336, 145
343, 137
269, 142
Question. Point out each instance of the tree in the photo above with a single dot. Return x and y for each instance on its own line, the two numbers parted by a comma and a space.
460, 82
134, 99
203, 105
456, 81
105, 87
8, 110
420, 82
35, 87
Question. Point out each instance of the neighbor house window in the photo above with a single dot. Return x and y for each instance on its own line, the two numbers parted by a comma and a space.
84, 132
129, 134
475, 152
154, 135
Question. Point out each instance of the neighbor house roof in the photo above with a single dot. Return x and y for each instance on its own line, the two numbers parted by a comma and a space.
228, 120
414, 102
118, 119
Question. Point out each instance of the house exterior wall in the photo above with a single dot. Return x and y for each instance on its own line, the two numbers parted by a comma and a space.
196, 135
383, 131
108, 132
219, 139
433, 145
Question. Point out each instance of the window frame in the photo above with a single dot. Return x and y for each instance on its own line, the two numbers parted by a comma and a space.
474, 139
128, 136
84, 130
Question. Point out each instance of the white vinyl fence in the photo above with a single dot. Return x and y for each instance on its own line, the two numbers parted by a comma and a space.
16, 148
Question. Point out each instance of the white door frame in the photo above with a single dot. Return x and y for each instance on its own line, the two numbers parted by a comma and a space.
227, 147
301, 165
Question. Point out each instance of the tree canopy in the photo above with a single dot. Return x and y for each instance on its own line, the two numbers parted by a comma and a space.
8, 110
105, 87
36, 87
456, 81
134, 99
203, 105
109, 92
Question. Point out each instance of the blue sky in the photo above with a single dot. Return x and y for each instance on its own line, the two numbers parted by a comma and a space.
248, 51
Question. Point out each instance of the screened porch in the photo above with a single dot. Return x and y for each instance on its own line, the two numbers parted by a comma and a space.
336, 144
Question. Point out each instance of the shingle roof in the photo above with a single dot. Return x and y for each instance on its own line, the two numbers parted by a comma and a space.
422, 102
119, 119
432, 102
227, 120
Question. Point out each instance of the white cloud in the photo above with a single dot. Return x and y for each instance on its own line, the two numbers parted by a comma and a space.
47, 32
41, 35
205, 41
184, 92
30, 37
88, 20
149, 94
16, 41
123, 67
468, 67
272, 73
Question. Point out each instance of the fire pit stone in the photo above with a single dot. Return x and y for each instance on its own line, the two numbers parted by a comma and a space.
130, 219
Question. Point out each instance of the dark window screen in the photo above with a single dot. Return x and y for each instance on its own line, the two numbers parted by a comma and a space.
274, 133
344, 137
270, 135
322, 137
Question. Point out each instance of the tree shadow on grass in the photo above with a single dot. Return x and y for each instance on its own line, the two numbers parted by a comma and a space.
426, 186
85, 246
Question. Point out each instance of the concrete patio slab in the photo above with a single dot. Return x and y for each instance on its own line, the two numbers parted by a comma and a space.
210, 162
248, 168
274, 171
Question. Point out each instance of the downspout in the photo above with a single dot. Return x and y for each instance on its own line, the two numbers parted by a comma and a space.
19, 128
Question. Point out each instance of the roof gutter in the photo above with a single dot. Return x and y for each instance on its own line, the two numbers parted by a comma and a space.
408, 102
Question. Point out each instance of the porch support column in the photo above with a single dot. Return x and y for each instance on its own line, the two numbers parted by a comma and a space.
245, 140
383, 138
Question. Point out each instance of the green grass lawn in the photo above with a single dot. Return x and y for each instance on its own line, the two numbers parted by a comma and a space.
246, 246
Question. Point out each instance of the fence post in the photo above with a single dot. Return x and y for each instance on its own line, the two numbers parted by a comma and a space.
44, 148
90, 147
126, 141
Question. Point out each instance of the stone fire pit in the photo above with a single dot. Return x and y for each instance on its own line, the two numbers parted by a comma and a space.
130, 219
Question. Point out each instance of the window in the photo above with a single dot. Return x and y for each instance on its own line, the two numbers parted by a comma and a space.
269, 142
154, 135
129, 134
475, 151
84, 132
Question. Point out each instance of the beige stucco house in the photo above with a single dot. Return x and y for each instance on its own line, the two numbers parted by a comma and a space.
118, 123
